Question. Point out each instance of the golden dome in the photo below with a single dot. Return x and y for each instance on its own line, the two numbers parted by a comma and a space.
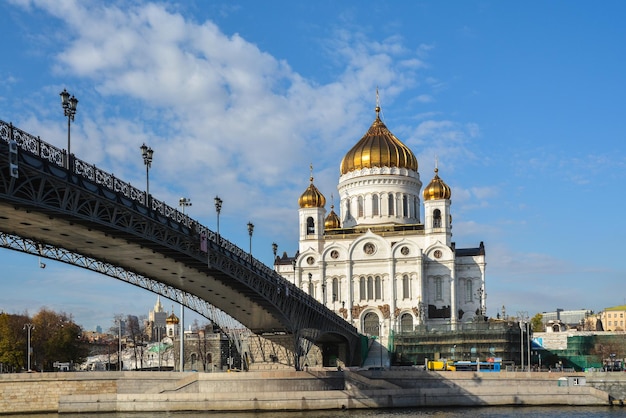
312, 198
172, 319
332, 220
437, 189
378, 148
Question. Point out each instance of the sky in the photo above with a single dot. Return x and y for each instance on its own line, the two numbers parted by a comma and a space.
520, 103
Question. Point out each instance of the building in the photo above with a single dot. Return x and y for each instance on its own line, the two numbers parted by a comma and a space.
155, 326
561, 320
376, 261
613, 318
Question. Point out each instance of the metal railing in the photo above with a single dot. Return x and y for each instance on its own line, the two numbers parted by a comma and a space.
58, 156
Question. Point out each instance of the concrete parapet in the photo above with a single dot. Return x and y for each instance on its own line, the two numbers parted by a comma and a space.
91, 392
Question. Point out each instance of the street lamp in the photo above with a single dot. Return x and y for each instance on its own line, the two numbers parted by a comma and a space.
184, 202
69, 109
119, 345
218, 209
522, 317
324, 293
29, 327
146, 153
274, 250
250, 231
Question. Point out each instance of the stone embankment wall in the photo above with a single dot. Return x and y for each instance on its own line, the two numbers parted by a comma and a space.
91, 392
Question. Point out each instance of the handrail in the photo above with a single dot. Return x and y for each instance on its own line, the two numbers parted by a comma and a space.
58, 156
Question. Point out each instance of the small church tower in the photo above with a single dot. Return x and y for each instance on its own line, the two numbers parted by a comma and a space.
311, 216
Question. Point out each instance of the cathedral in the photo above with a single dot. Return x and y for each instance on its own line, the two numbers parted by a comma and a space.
374, 261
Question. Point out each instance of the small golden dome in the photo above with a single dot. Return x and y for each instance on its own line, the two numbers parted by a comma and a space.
332, 220
378, 148
437, 189
172, 319
312, 198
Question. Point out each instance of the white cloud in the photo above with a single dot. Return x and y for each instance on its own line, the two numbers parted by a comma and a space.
223, 116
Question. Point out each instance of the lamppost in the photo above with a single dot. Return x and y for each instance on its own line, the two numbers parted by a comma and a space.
146, 153
274, 250
184, 202
218, 209
159, 346
119, 345
323, 293
69, 109
29, 327
522, 316
250, 231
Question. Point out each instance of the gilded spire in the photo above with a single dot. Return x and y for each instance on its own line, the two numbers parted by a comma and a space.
332, 221
312, 198
437, 188
377, 104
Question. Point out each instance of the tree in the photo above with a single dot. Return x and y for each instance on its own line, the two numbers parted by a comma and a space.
135, 332
536, 323
57, 338
13, 342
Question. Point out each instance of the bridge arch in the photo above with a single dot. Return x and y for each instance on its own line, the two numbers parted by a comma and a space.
60, 203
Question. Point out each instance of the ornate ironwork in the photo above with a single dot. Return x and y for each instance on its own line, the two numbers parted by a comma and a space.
224, 321
88, 194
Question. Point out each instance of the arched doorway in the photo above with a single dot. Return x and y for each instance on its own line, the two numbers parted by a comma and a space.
371, 324
406, 323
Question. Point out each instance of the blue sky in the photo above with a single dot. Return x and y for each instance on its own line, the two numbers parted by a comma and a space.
522, 103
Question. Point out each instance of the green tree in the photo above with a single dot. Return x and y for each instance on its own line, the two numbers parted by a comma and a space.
536, 323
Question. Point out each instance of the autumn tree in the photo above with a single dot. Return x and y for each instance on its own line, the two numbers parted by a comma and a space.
13, 342
56, 338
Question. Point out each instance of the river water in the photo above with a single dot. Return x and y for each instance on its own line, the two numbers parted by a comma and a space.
473, 412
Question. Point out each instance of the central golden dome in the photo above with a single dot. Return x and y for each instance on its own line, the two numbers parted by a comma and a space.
378, 148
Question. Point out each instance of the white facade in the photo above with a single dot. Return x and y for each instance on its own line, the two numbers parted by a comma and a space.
375, 264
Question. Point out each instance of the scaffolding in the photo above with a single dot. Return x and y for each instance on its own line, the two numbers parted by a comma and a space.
482, 340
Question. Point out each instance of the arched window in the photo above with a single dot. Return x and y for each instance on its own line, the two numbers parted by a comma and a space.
362, 288
438, 288
360, 206
335, 289
406, 323
405, 206
406, 290
375, 205
469, 290
310, 226
370, 287
391, 204
371, 324
436, 218
377, 288
415, 212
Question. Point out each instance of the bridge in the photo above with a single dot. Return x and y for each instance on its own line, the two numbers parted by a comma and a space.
56, 206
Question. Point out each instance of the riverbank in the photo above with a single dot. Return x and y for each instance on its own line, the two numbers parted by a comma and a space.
91, 392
